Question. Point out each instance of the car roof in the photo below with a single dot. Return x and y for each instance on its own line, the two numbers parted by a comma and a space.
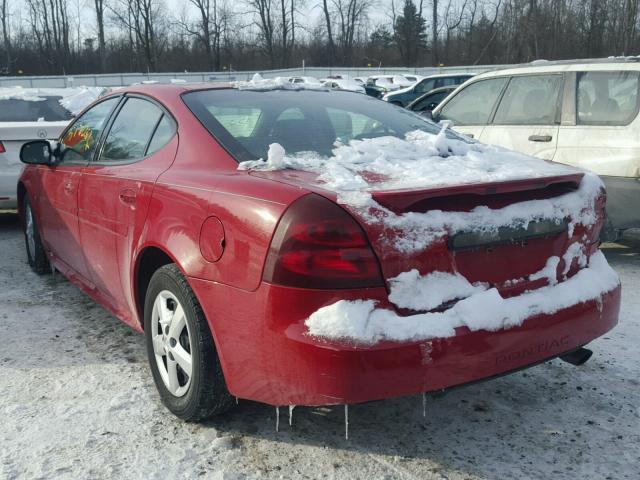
447, 75
544, 66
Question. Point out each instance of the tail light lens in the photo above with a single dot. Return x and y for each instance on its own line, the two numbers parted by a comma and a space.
2, 149
319, 245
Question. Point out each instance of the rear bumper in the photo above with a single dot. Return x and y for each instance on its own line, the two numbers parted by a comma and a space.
268, 357
623, 201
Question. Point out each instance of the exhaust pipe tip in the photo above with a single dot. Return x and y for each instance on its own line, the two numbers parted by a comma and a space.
577, 357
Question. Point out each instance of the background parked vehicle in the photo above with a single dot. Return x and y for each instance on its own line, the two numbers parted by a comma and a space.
306, 80
430, 100
378, 85
406, 95
26, 114
343, 84
575, 112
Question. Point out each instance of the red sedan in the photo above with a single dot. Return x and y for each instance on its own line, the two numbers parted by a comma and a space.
329, 273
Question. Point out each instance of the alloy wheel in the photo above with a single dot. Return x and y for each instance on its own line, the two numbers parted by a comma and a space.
171, 343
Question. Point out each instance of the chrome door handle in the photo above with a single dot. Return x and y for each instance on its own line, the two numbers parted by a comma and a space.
540, 138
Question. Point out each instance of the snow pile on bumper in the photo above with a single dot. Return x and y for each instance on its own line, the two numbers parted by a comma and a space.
361, 322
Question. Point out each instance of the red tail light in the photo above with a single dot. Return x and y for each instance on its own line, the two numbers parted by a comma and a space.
319, 245
2, 149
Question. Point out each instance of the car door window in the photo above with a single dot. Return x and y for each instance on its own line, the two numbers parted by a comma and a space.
131, 131
430, 102
607, 98
473, 105
80, 141
530, 100
425, 86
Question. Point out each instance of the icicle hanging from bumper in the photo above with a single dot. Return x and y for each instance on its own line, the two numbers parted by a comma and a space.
277, 419
291, 407
424, 405
346, 421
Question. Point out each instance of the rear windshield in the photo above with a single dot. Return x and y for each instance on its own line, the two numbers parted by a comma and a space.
48, 109
247, 122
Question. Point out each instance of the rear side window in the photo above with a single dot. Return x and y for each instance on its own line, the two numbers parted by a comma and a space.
46, 109
607, 98
164, 133
131, 131
473, 105
530, 100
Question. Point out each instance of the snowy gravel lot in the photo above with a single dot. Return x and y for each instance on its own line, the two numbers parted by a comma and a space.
77, 401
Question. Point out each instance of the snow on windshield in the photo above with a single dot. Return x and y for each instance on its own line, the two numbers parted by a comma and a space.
358, 169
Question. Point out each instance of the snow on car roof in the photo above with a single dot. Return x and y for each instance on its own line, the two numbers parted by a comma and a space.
73, 99
258, 83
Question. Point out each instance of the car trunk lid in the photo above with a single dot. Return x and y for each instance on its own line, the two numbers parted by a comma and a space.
511, 259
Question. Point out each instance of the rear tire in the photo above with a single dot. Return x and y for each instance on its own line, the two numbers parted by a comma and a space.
36, 256
183, 358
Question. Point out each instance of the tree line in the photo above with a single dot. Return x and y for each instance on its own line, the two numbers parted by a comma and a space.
101, 36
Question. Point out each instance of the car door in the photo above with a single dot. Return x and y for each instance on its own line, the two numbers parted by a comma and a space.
472, 107
115, 189
528, 115
58, 202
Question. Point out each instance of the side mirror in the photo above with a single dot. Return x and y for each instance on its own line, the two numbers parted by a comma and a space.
37, 152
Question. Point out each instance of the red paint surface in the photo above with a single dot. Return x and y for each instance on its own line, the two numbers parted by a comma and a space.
97, 222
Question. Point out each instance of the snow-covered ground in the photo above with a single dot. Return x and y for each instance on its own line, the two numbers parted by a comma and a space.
77, 401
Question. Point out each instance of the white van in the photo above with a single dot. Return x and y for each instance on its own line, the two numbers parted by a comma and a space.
583, 113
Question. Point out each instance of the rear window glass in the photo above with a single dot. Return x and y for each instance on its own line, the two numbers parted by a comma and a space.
48, 110
247, 122
607, 98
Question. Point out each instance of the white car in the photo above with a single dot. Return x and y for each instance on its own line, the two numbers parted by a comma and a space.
31, 114
388, 82
579, 113
306, 80
343, 84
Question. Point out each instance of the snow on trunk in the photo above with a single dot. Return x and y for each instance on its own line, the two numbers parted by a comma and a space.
422, 160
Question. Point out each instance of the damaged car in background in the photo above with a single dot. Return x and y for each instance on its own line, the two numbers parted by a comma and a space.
299, 247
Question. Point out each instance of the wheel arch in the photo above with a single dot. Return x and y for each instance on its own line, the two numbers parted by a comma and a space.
149, 259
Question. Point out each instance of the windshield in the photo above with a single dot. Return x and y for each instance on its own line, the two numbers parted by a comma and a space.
18, 110
247, 122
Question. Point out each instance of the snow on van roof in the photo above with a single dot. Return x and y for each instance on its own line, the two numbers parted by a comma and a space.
73, 99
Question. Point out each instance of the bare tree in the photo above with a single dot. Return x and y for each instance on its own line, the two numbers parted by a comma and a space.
102, 51
266, 25
4, 20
